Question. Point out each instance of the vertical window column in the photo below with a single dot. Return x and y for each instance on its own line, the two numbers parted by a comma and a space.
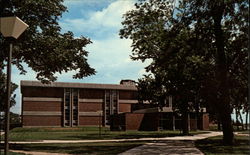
111, 104
67, 111
75, 105
107, 107
114, 102
71, 104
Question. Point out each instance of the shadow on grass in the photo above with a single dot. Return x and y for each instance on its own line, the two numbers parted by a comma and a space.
215, 146
79, 148
10, 153
121, 136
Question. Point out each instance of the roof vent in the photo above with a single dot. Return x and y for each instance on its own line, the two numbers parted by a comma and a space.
128, 82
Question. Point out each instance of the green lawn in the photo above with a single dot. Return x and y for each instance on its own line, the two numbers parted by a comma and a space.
244, 132
213, 146
10, 153
82, 133
14, 153
110, 148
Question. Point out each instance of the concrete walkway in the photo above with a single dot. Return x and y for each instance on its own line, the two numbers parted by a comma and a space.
180, 145
37, 153
195, 137
165, 148
171, 146
1, 133
242, 134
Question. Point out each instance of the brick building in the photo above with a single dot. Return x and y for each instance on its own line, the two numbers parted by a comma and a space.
74, 104
62, 104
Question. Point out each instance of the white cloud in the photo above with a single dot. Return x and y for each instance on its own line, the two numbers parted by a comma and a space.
109, 52
105, 20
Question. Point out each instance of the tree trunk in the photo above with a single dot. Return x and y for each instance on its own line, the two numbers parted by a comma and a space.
219, 125
223, 109
185, 130
237, 118
184, 116
246, 119
241, 121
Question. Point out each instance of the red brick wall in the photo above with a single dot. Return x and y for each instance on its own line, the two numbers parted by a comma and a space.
91, 93
205, 122
42, 106
127, 95
89, 107
42, 121
193, 124
89, 120
124, 107
133, 121
42, 92
144, 122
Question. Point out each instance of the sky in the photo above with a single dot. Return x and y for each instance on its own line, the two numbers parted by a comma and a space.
99, 20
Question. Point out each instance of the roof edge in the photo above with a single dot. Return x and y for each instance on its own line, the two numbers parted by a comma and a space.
26, 83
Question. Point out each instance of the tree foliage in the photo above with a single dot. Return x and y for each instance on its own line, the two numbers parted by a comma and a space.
42, 46
3, 91
196, 50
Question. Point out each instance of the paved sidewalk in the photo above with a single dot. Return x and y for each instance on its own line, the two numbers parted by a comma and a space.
242, 134
195, 137
165, 148
171, 146
37, 153
1, 133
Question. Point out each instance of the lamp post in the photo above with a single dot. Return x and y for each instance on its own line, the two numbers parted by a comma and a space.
10, 27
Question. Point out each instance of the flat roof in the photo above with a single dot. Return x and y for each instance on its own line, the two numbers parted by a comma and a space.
25, 83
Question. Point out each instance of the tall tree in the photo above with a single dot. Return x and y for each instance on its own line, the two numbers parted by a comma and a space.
177, 67
228, 24
201, 29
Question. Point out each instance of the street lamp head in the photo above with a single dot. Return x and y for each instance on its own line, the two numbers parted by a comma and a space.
12, 26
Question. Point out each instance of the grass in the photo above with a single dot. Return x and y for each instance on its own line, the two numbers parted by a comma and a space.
10, 153
214, 127
110, 148
14, 153
244, 132
214, 146
82, 133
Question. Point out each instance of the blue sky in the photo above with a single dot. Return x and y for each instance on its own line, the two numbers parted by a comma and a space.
99, 20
